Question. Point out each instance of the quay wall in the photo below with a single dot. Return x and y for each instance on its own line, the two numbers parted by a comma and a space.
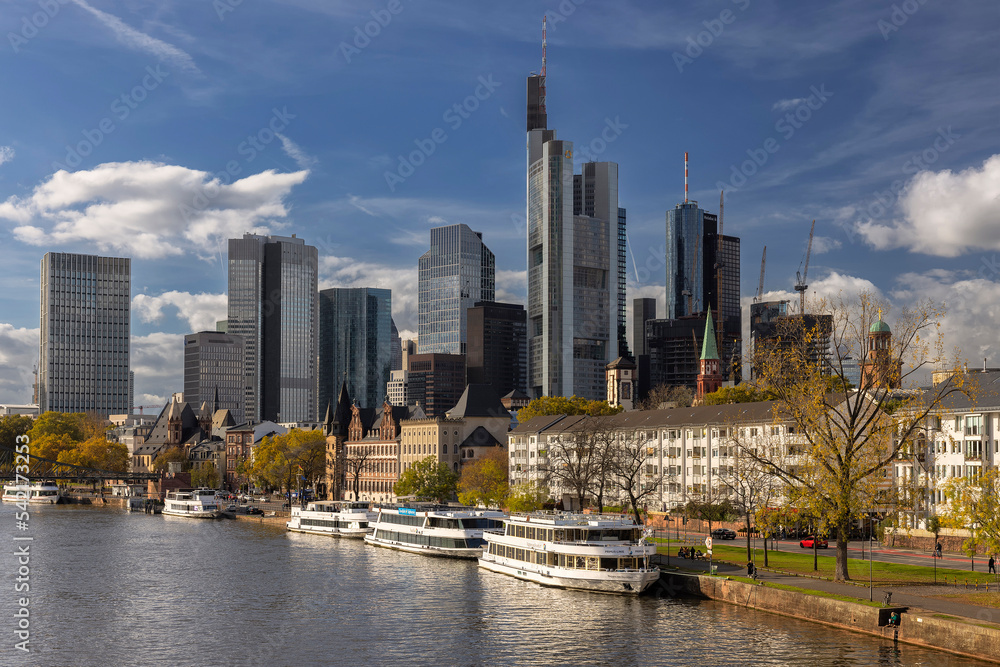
921, 627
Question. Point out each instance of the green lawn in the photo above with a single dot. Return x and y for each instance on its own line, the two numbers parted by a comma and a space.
884, 574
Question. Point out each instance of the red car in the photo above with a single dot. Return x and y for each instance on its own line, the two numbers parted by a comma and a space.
807, 543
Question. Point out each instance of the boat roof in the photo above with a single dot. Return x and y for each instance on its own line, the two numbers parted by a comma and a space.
575, 519
430, 509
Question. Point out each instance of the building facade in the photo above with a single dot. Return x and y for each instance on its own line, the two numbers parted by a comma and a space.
397, 387
435, 382
356, 344
453, 275
274, 308
85, 333
498, 346
213, 371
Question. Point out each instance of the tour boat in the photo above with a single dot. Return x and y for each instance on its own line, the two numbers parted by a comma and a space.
36, 492
591, 552
434, 530
193, 503
345, 518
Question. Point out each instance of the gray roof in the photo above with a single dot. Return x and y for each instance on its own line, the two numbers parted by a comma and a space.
480, 437
722, 415
478, 400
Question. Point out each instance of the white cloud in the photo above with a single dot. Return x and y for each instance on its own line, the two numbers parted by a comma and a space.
140, 41
512, 286
294, 151
944, 213
6, 154
785, 105
158, 363
18, 353
148, 209
201, 311
822, 244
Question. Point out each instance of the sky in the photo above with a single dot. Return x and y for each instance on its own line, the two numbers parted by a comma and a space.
157, 130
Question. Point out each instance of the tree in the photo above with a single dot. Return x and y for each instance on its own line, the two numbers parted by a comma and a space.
710, 511
428, 480
628, 463
169, 455
280, 461
741, 393
96, 452
751, 486
484, 481
560, 405
52, 445
574, 462
974, 502
205, 476
679, 395
12, 426
850, 438
527, 497
358, 461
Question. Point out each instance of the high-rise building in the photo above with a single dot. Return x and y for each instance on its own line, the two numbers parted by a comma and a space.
575, 230
435, 381
703, 271
355, 344
213, 369
274, 308
84, 339
643, 309
454, 274
773, 328
396, 346
396, 389
498, 346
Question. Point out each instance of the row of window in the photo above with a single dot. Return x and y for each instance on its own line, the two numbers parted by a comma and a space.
429, 540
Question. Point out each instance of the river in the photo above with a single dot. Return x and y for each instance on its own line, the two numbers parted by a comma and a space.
112, 588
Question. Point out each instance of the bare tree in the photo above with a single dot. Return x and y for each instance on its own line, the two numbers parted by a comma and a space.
573, 462
679, 395
358, 461
751, 484
628, 464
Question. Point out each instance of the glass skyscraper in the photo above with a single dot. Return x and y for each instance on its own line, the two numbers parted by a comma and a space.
84, 339
213, 367
454, 274
274, 308
355, 344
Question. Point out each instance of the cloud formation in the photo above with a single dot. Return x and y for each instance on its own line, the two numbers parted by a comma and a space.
140, 41
785, 105
18, 352
294, 151
201, 311
148, 209
6, 154
158, 363
945, 214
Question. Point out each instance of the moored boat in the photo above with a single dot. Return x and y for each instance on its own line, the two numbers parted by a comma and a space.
46, 493
343, 518
192, 503
591, 552
434, 530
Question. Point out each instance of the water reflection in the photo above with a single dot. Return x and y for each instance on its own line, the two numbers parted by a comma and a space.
110, 588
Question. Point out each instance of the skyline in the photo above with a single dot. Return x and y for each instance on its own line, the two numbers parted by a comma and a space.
840, 110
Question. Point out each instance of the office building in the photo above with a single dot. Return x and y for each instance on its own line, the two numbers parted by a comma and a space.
643, 309
454, 274
397, 387
575, 229
84, 338
498, 346
274, 308
213, 371
773, 328
435, 381
395, 346
355, 344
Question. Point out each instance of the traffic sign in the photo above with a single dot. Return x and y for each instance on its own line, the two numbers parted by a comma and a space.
708, 542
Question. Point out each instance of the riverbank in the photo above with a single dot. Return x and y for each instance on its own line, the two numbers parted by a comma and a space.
957, 628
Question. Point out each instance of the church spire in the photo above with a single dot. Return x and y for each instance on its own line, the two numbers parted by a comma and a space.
708, 348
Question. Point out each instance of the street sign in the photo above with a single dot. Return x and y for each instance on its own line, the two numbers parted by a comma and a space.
709, 552
708, 543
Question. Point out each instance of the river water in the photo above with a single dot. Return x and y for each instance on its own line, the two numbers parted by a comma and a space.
112, 588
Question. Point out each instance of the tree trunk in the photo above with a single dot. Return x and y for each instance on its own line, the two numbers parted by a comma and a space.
765, 551
749, 554
840, 572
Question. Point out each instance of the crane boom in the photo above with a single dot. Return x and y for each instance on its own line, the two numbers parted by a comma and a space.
805, 270
800, 278
760, 285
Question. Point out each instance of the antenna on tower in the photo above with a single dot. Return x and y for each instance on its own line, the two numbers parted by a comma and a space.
541, 84
544, 19
685, 177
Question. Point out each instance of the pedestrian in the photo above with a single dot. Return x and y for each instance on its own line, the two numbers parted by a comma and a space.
993, 565
937, 548
751, 570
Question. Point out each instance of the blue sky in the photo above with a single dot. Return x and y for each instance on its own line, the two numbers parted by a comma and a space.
157, 130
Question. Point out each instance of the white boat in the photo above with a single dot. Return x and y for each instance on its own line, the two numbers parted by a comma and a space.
193, 503
434, 530
345, 518
37, 492
591, 552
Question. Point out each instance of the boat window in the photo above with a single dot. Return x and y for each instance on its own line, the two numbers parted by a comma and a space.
531, 532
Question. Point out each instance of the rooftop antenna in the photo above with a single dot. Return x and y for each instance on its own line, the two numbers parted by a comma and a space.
685, 177
541, 84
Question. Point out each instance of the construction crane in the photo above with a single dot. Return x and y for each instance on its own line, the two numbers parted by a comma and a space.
140, 407
800, 278
760, 286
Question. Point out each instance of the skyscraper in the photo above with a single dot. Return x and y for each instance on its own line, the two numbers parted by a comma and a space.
273, 307
454, 274
84, 339
498, 346
356, 344
575, 301
213, 367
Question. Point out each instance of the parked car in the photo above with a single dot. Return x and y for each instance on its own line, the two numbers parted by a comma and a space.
724, 534
254, 510
807, 543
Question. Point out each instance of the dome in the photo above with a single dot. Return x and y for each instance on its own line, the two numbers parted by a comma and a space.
880, 327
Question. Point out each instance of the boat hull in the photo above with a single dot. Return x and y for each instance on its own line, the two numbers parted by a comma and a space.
629, 582
424, 550
348, 533
203, 514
